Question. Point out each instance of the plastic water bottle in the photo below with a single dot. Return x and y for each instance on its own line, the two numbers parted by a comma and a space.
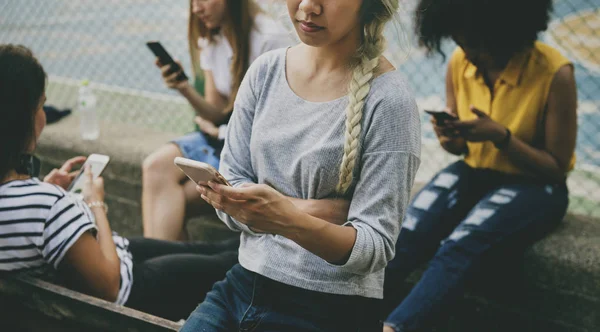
86, 105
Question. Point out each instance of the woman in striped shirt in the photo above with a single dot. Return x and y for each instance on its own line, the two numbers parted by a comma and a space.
43, 229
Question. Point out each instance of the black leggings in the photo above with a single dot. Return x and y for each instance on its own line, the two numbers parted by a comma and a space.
171, 278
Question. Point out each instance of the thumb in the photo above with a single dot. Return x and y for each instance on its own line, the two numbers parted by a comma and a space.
198, 120
477, 112
246, 185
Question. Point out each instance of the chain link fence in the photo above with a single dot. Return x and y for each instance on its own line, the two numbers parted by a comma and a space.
104, 41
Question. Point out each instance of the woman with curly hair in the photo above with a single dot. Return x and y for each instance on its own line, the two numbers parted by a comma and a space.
515, 101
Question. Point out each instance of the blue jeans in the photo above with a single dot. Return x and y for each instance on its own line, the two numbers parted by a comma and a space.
197, 146
246, 301
459, 217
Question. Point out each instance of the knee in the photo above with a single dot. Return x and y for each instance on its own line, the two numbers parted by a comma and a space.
152, 165
158, 164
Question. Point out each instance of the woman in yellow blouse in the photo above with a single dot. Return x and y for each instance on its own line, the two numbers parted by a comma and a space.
515, 99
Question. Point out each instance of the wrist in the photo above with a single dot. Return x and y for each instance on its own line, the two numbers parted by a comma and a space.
504, 139
184, 88
98, 206
294, 229
500, 135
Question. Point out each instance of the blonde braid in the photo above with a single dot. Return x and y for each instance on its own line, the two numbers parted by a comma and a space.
360, 85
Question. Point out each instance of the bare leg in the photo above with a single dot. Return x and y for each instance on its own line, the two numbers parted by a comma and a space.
163, 197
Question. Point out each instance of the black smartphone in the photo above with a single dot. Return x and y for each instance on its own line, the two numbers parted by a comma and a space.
165, 59
441, 116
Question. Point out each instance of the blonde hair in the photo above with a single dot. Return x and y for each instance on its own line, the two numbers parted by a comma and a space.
374, 15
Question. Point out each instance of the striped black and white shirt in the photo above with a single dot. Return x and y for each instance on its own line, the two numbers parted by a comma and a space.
39, 222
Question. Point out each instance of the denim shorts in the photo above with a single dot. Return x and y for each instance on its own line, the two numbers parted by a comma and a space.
195, 146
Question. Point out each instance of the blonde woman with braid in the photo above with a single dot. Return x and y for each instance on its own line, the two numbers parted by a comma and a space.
328, 118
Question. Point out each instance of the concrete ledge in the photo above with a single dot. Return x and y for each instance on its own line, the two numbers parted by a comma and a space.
555, 287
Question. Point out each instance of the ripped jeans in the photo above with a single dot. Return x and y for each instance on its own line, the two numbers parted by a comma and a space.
456, 219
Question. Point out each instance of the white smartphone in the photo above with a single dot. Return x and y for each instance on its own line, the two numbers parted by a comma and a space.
200, 172
98, 162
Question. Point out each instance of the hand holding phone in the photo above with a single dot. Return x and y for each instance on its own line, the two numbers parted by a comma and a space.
200, 172
441, 116
165, 59
92, 188
97, 163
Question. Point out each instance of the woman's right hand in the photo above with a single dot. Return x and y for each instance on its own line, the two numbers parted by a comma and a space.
170, 78
442, 131
450, 138
93, 189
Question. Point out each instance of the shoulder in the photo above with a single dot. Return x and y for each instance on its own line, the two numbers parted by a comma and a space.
391, 90
269, 34
563, 84
32, 189
392, 102
458, 63
261, 75
548, 58
391, 119
458, 56
267, 62
29, 199
212, 48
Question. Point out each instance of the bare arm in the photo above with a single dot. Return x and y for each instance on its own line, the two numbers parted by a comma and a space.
329, 241
212, 106
560, 131
334, 211
86, 264
95, 260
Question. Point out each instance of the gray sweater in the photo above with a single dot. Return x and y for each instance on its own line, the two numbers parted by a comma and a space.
296, 146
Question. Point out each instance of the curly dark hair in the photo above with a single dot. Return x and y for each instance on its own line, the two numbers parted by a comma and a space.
500, 27
22, 85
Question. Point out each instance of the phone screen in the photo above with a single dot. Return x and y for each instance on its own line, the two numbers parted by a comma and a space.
97, 168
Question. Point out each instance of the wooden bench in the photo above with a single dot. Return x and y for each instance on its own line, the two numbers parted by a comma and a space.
30, 304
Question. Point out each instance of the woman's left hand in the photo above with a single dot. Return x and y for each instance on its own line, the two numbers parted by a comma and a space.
479, 130
64, 176
258, 206
207, 127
